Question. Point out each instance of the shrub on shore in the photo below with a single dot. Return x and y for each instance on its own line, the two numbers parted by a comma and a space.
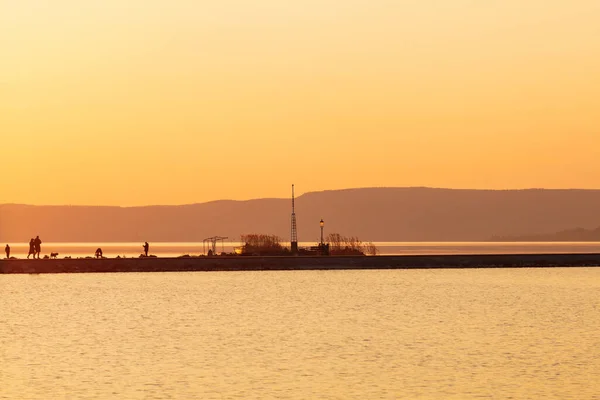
340, 245
262, 245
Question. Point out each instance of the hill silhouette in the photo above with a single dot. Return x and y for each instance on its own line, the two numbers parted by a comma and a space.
373, 214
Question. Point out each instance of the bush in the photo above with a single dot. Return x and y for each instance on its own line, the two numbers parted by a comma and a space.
349, 246
261, 244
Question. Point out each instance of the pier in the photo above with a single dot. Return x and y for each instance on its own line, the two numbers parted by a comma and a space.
240, 263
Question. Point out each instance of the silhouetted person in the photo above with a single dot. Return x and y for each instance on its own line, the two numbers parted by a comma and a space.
31, 248
146, 248
38, 247
98, 252
7, 250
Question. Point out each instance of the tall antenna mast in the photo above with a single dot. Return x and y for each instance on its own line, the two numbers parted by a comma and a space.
294, 236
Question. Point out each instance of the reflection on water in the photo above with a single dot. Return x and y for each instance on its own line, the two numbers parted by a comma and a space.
428, 334
386, 248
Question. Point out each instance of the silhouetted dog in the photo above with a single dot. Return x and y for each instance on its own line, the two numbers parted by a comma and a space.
53, 255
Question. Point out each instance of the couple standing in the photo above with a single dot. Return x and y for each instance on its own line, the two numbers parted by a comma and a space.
35, 247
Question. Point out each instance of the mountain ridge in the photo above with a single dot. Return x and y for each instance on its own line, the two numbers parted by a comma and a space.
372, 214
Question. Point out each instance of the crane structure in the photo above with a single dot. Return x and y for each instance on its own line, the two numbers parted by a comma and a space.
294, 233
211, 244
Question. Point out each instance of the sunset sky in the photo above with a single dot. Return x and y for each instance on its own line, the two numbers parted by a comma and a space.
112, 102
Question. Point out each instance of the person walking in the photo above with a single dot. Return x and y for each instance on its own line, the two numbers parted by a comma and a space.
38, 247
7, 250
31, 248
146, 248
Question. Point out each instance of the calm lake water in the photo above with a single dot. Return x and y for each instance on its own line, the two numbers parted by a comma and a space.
426, 334
20, 250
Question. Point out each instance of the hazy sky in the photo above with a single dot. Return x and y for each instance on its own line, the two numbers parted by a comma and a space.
169, 102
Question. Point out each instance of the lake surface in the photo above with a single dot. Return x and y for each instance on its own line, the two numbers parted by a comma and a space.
20, 250
427, 334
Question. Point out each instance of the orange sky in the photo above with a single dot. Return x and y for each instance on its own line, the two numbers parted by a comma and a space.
170, 102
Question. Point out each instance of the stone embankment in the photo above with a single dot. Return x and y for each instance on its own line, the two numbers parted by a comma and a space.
296, 263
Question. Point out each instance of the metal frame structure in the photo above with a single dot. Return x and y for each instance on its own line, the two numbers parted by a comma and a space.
211, 244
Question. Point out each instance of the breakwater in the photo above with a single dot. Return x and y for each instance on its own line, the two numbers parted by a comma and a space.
296, 263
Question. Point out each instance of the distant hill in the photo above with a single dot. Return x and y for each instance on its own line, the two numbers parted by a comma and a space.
372, 214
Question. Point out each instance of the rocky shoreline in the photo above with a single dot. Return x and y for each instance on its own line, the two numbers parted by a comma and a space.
152, 264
